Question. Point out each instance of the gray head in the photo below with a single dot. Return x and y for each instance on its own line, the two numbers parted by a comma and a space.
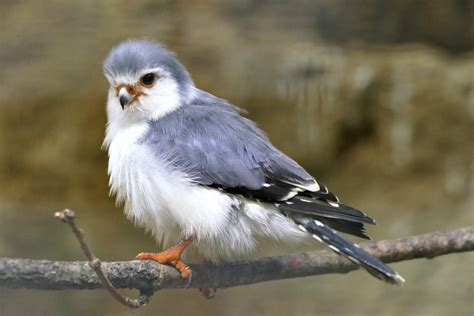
145, 79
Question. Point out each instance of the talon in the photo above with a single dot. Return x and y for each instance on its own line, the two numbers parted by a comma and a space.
144, 256
208, 293
172, 256
190, 279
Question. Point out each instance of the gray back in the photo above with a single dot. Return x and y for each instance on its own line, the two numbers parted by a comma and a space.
210, 140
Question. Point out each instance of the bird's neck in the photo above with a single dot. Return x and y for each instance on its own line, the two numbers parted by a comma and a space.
119, 120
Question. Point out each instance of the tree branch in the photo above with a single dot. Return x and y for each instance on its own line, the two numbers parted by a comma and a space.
149, 276
67, 216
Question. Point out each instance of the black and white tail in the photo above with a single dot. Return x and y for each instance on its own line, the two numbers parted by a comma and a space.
348, 249
320, 214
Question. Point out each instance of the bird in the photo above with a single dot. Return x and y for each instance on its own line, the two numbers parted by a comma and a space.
195, 172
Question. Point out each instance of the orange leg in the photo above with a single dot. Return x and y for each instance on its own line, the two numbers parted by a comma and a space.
171, 256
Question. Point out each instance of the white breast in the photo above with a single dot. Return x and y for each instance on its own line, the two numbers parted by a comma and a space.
169, 205
161, 199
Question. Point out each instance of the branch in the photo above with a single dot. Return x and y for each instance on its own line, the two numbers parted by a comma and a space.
67, 216
149, 276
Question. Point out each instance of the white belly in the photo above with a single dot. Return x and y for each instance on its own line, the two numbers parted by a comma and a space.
166, 203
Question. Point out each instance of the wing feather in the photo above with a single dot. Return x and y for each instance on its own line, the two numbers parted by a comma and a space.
210, 141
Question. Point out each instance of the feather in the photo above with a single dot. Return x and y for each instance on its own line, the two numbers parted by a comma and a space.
185, 162
348, 227
304, 205
348, 249
214, 144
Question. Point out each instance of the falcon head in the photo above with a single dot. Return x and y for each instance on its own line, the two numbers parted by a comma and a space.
146, 80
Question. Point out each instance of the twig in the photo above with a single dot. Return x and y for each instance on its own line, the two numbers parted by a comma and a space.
148, 276
67, 216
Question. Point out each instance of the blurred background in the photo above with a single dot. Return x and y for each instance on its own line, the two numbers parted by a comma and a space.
375, 98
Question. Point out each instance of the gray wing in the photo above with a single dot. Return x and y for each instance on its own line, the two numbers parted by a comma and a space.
209, 140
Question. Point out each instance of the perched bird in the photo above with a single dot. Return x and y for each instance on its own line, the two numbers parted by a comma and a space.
190, 169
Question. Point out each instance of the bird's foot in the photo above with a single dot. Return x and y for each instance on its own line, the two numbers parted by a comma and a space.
172, 256
208, 292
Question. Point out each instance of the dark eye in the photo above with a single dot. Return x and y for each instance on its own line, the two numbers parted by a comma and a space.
148, 80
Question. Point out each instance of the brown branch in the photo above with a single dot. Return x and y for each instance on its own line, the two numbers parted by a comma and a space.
67, 216
149, 276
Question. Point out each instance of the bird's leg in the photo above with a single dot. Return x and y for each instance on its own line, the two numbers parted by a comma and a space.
171, 256
207, 292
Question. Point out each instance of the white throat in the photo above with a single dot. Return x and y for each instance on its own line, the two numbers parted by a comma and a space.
160, 100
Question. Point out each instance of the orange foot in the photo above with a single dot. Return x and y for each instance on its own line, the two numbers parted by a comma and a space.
172, 256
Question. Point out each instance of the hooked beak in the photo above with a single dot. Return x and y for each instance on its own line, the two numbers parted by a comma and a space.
124, 97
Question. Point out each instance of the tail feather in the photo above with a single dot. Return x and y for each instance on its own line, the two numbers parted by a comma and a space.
348, 249
313, 207
344, 226
323, 194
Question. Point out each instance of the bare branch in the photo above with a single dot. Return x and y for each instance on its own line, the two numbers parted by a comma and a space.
67, 216
148, 276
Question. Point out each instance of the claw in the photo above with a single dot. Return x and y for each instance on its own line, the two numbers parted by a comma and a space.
172, 256
208, 293
190, 279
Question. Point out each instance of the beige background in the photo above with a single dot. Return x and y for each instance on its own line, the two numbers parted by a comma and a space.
376, 99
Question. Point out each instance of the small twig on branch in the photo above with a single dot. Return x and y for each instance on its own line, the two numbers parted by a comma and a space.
148, 276
67, 216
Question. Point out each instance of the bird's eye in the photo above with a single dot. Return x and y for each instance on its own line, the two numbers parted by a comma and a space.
148, 80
